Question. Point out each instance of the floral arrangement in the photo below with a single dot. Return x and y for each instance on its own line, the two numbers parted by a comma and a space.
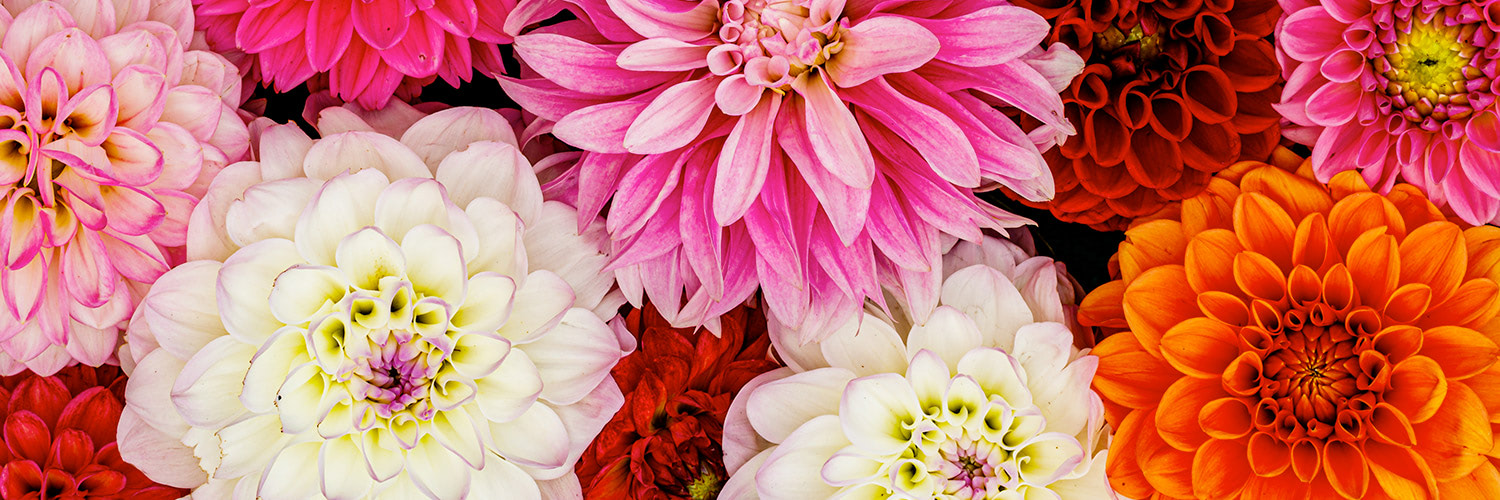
750, 249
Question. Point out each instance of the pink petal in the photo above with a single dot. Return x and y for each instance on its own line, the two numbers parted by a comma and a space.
852, 267
1347, 11
172, 232
11, 84
194, 108
75, 55
881, 45
420, 52
1014, 82
1484, 130
641, 192
988, 36
353, 71
266, 25
673, 119
735, 97
598, 174
91, 115
663, 54
846, 206
771, 225
835, 138
743, 161
331, 39
1344, 66
86, 271
938, 138
581, 66
23, 287
44, 97
32, 26
458, 17
702, 245
135, 257
141, 93
131, 211
23, 229
134, 48
133, 159
1334, 104
1308, 35
899, 236
686, 21
546, 99
600, 128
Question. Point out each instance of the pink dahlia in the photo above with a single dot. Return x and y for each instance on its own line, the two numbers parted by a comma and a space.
813, 148
361, 50
109, 124
1399, 90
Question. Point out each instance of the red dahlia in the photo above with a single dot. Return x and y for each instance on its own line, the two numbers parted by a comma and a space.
1173, 91
60, 438
665, 442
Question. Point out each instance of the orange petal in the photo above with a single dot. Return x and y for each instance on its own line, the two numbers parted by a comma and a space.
1435, 254
1123, 469
1157, 301
1312, 246
1269, 455
1390, 426
1242, 377
1220, 469
1474, 303
1487, 386
1415, 208
1484, 482
1460, 351
1408, 303
1169, 470
1401, 473
1283, 487
1299, 196
1209, 261
1398, 342
1224, 307
1357, 214
1303, 286
1102, 307
1307, 459
1225, 418
1343, 185
1375, 266
1128, 375
1483, 243
1259, 277
1177, 417
1338, 288
1454, 441
1155, 243
1346, 467
1200, 347
1264, 228
1417, 388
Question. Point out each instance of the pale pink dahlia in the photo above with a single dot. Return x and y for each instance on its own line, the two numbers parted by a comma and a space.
368, 317
1399, 90
109, 123
811, 147
364, 49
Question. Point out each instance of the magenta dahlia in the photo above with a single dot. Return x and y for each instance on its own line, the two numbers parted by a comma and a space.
1399, 90
361, 50
813, 148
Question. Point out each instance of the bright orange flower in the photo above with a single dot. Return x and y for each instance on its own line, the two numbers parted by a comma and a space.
1281, 339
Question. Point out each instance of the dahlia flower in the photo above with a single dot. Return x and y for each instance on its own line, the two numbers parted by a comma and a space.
1399, 90
360, 50
369, 317
112, 130
665, 443
980, 401
809, 148
1173, 92
1286, 339
60, 438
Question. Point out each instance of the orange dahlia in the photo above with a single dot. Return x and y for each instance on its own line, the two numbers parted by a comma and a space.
1282, 339
1172, 92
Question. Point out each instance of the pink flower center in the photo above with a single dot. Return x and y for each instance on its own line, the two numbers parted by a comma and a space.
773, 41
969, 469
1436, 61
396, 374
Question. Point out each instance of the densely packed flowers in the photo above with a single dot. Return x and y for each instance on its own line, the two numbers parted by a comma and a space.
59, 434
111, 131
808, 148
361, 50
1173, 92
376, 318
984, 400
666, 441
1286, 339
1399, 90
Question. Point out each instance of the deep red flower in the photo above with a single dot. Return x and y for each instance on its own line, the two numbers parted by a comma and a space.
59, 437
665, 441
1172, 91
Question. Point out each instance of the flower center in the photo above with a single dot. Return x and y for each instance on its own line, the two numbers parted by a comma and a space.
1314, 371
1434, 70
706, 486
970, 468
774, 41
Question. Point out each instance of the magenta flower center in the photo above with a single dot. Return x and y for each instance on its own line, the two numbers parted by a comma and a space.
969, 469
396, 374
1436, 62
774, 41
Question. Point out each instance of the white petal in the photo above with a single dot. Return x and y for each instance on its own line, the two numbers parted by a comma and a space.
492, 170
779, 407
439, 271
270, 366
368, 255
563, 488
874, 348
269, 210
409, 203
455, 129
502, 479
848, 468
553, 243
382, 454
149, 392
282, 149
248, 446
356, 151
874, 410
476, 355
341, 469
740, 442
793, 470
456, 431
1047, 457
304, 291
161, 457
1059, 388
512, 388
288, 475
539, 305
741, 484
948, 333
208, 390
437, 471
537, 438
344, 205
929, 378
500, 245
181, 309
991, 299
244, 286
584, 420
487, 305
574, 357
207, 237
999, 375
301, 398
